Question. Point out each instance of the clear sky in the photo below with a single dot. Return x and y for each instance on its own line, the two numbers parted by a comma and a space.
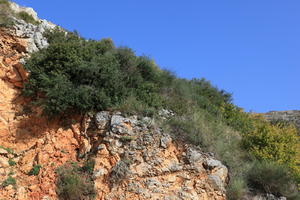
250, 48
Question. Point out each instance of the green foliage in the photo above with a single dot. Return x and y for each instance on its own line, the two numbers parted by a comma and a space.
236, 189
4, 2
73, 183
5, 13
27, 17
126, 138
132, 106
201, 128
35, 170
9, 181
234, 117
9, 150
274, 142
76, 75
88, 166
273, 178
11, 162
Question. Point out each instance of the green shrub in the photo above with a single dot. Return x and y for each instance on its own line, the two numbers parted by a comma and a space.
274, 142
236, 189
270, 177
9, 181
27, 17
4, 2
77, 75
9, 150
126, 138
5, 14
132, 106
74, 184
11, 162
88, 166
35, 170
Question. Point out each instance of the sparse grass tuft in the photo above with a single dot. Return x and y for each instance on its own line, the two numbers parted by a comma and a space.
11, 162
73, 183
27, 17
236, 189
270, 177
9, 181
126, 138
35, 170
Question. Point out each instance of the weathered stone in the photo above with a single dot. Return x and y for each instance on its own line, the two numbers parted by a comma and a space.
3, 162
216, 182
100, 172
102, 120
194, 156
33, 33
21, 193
217, 169
165, 141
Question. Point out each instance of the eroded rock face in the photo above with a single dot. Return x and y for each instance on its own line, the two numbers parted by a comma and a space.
135, 160
33, 34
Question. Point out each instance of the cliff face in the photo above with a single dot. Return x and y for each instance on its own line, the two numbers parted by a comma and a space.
134, 159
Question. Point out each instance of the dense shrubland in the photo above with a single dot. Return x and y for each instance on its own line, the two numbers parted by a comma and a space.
74, 75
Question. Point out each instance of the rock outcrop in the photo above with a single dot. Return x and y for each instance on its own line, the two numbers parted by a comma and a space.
137, 160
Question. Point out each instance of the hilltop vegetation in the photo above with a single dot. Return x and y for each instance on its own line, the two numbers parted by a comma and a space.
76, 76
7, 14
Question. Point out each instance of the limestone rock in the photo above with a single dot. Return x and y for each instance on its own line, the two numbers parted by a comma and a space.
33, 34
102, 119
4, 162
150, 165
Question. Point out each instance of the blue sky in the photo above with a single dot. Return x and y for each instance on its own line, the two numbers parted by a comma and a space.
249, 48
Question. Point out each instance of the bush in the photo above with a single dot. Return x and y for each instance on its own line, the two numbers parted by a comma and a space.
11, 162
9, 181
27, 17
5, 14
88, 166
274, 142
35, 170
77, 75
236, 189
270, 177
74, 184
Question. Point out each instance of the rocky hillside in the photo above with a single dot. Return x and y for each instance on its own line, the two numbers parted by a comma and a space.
134, 159
102, 153
292, 116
